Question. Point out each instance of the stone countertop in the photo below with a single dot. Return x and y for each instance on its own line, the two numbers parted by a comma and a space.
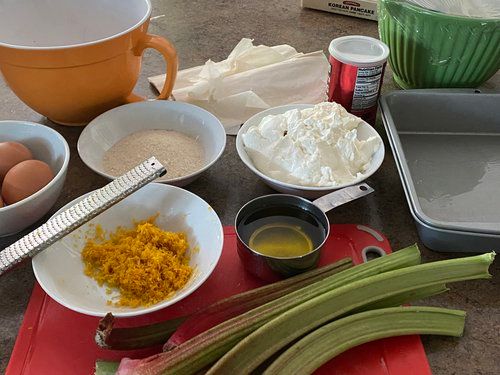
210, 29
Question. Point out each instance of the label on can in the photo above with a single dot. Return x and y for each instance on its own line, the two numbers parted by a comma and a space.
366, 88
356, 89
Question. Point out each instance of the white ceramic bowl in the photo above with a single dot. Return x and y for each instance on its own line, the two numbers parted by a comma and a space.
364, 132
107, 129
46, 145
59, 268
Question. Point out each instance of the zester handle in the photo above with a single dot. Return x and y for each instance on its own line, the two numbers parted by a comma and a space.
80, 213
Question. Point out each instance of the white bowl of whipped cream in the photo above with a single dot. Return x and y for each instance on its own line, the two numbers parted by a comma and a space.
309, 150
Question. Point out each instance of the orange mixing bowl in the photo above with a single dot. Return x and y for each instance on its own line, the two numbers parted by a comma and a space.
72, 60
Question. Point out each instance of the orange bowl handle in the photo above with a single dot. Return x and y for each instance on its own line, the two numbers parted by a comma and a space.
168, 51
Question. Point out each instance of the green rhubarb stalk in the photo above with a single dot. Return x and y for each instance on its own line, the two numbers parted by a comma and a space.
400, 299
185, 328
325, 343
105, 367
268, 339
204, 349
393, 301
233, 306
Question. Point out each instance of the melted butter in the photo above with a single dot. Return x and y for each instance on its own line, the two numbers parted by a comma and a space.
281, 240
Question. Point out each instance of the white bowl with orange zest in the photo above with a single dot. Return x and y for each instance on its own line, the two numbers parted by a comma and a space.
61, 272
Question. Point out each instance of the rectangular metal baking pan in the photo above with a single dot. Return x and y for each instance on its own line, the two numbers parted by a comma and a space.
447, 147
445, 240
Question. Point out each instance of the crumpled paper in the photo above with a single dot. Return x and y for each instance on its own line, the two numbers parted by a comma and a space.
250, 80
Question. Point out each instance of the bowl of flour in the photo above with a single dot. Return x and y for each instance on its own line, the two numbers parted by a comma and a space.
185, 138
309, 150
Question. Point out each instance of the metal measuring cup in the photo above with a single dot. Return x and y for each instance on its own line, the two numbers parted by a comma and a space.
268, 267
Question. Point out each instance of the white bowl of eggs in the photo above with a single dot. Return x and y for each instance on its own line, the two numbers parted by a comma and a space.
33, 163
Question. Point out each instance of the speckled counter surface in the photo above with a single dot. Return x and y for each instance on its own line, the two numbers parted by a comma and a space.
209, 29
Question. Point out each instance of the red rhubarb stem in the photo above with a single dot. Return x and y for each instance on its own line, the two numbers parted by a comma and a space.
233, 306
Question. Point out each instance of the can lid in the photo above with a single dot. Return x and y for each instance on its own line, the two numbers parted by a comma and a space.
359, 50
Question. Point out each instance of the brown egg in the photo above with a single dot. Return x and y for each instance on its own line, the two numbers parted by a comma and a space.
12, 153
1, 202
25, 179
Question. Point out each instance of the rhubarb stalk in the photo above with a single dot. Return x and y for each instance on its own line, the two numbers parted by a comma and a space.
269, 338
129, 338
325, 343
233, 306
105, 367
402, 298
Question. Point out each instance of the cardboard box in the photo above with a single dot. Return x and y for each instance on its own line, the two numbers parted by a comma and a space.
355, 8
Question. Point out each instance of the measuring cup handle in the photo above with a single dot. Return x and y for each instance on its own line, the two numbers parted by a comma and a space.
342, 196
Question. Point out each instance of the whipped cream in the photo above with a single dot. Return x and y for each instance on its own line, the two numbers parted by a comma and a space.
317, 146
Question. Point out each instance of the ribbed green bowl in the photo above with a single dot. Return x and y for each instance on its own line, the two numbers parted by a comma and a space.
431, 49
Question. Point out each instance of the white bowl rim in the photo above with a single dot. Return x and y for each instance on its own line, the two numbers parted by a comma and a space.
58, 175
240, 148
146, 310
94, 123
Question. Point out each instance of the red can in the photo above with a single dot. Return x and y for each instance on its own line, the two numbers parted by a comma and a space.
357, 65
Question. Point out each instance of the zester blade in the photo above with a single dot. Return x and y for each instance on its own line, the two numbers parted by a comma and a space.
80, 213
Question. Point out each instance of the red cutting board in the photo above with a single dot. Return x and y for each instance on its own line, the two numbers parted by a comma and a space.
53, 340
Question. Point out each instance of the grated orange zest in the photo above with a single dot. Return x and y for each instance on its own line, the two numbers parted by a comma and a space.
145, 264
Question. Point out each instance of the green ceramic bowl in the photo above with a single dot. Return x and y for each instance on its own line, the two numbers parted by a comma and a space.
431, 49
